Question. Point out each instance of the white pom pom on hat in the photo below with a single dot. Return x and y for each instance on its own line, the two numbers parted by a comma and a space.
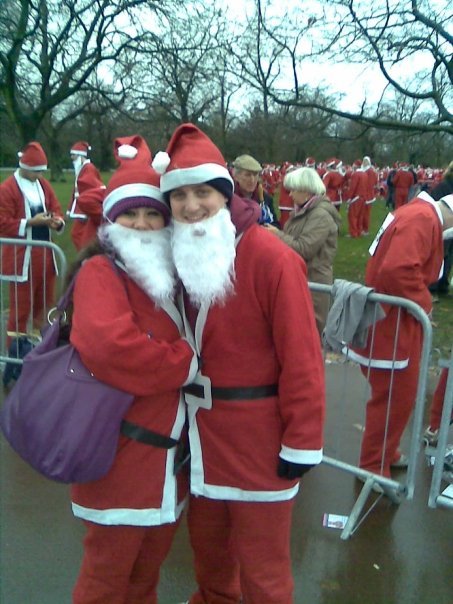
127, 152
135, 183
161, 162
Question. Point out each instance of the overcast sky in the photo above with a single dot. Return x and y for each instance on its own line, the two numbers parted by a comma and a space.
355, 82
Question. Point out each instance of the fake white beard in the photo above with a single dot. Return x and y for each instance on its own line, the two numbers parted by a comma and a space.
204, 254
77, 163
146, 256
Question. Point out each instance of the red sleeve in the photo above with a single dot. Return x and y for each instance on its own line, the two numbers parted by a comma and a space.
298, 348
52, 203
11, 208
110, 342
89, 178
406, 265
90, 202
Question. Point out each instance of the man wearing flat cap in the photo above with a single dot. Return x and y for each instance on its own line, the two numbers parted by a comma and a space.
246, 172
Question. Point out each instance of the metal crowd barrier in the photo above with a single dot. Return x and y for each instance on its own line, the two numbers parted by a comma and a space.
395, 490
6, 283
439, 452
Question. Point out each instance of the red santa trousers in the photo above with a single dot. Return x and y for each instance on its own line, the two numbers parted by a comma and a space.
401, 197
121, 564
380, 443
355, 217
437, 404
241, 549
366, 217
35, 295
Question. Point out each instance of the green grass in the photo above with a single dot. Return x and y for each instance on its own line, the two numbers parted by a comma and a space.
349, 264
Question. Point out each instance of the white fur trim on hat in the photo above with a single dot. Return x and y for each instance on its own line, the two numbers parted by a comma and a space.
130, 190
193, 176
40, 168
161, 162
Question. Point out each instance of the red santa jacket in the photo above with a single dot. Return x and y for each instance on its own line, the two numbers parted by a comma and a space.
88, 178
86, 205
358, 187
130, 343
264, 334
90, 203
13, 209
372, 185
333, 181
402, 182
408, 257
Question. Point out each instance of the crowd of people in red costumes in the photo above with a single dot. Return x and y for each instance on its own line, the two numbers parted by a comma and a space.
356, 185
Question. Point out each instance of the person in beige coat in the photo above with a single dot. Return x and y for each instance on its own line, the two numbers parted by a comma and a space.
312, 231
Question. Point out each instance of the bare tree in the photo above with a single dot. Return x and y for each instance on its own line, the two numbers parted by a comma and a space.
176, 75
406, 39
51, 50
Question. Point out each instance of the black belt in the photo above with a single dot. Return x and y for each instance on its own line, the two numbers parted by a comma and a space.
147, 437
234, 393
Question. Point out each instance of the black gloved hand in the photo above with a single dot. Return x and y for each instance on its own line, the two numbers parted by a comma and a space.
291, 470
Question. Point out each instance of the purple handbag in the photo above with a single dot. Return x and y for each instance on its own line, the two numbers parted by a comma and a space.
58, 417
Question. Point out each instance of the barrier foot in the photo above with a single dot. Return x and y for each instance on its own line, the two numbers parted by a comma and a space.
355, 517
445, 501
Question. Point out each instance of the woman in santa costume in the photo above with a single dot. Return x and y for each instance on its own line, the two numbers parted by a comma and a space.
256, 408
406, 256
128, 333
29, 210
85, 207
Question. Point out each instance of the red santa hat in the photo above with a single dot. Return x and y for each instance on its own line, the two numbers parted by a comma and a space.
357, 163
80, 148
192, 158
331, 163
310, 162
135, 183
32, 157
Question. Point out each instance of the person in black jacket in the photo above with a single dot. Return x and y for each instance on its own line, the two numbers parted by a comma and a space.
445, 187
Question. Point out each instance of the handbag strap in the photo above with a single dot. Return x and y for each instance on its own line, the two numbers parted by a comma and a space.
66, 297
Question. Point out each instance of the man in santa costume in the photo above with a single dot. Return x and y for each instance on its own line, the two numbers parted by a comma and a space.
370, 198
402, 181
406, 256
85, 207
127, 329
256, 409
29, 210
356, 197
333, 181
